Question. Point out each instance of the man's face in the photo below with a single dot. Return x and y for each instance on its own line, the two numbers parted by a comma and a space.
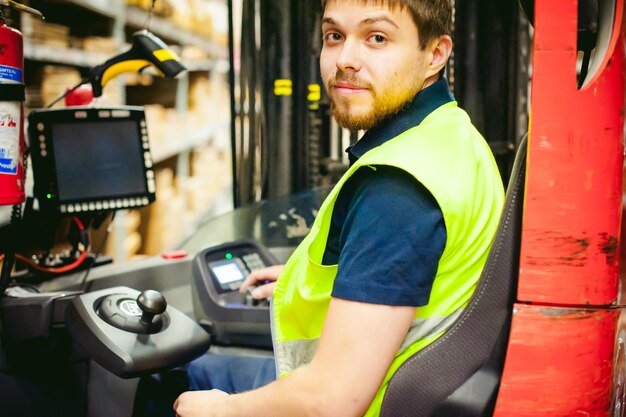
371, 62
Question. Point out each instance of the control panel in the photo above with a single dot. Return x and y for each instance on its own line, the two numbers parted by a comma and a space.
132, 333
230, 316
230, 272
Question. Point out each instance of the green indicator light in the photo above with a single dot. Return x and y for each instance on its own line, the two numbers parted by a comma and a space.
228, 256
49, 196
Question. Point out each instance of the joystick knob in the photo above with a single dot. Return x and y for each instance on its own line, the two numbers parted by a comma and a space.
151, 303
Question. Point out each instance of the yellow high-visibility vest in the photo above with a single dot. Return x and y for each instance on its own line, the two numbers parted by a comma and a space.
452, 160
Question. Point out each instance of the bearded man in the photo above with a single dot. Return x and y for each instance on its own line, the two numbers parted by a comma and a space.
398, 246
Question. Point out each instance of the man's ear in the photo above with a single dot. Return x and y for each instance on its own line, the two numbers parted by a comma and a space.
440, 49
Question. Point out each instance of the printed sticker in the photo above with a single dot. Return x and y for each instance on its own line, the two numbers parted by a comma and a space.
10, 73
9, 137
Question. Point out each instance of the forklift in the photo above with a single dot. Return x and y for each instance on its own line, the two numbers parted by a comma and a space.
543, 334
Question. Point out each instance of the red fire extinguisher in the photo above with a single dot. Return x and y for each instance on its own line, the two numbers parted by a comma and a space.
12, 145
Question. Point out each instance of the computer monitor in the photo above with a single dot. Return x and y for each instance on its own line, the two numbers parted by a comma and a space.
89, 159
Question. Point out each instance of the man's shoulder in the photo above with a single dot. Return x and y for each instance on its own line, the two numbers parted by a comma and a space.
382, 187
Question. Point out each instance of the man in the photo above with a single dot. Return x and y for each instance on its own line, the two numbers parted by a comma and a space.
399, 244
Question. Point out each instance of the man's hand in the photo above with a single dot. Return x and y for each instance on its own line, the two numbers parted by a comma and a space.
198, 403
267, 277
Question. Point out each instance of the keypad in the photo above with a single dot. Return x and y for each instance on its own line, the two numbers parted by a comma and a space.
253, 261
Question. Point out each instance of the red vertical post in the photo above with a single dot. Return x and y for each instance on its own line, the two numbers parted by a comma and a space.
562, 343
573, 189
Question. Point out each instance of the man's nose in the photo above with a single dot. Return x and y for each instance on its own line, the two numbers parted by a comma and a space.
349, 58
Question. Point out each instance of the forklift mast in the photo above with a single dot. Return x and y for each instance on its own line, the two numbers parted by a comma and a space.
280, 117
283, 138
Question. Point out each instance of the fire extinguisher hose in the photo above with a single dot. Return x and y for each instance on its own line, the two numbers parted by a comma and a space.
9, 257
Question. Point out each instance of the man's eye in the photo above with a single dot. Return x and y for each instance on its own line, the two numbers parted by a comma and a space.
332, 37
378, 39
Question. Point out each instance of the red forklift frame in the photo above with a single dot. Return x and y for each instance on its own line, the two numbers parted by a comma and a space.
566, 353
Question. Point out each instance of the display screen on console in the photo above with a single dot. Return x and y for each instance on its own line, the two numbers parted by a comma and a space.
227, 272
102, 159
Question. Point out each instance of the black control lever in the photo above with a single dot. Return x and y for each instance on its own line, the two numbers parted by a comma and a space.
151, 303
106, 326
142, 315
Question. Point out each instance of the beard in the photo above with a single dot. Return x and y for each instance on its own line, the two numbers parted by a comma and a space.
383, 105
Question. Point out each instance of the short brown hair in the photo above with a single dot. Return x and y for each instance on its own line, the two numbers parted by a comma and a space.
433, 18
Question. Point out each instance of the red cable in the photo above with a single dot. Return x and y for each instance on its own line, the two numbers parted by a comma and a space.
59, 270
80, 224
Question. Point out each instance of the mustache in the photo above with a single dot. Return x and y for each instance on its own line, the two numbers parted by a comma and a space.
349, 78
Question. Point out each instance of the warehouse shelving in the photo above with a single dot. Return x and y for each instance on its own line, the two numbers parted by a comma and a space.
109, 8
188, 143
79, 58
123, 20
136, 17
63, 56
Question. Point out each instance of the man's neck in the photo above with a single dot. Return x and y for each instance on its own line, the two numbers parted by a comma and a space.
434, 94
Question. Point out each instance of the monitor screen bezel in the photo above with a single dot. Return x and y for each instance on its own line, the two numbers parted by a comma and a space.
44, 161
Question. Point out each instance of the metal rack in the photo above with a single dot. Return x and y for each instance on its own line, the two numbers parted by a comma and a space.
123, 19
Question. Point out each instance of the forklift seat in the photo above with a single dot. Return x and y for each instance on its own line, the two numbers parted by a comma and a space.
459, 374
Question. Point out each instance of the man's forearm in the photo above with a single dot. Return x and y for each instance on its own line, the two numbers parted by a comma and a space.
356, 349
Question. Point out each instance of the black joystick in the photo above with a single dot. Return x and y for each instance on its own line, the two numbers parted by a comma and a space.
151, 303
143, 315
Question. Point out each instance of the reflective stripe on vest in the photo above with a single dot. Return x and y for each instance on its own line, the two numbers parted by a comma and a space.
294, 353
450, 158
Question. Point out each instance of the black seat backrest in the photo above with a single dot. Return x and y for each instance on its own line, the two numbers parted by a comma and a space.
431, 382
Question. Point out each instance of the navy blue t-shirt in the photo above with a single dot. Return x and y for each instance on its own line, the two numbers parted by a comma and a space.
387, 232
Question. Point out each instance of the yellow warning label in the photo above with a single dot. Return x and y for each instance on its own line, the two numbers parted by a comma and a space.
315, 92
283, 87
